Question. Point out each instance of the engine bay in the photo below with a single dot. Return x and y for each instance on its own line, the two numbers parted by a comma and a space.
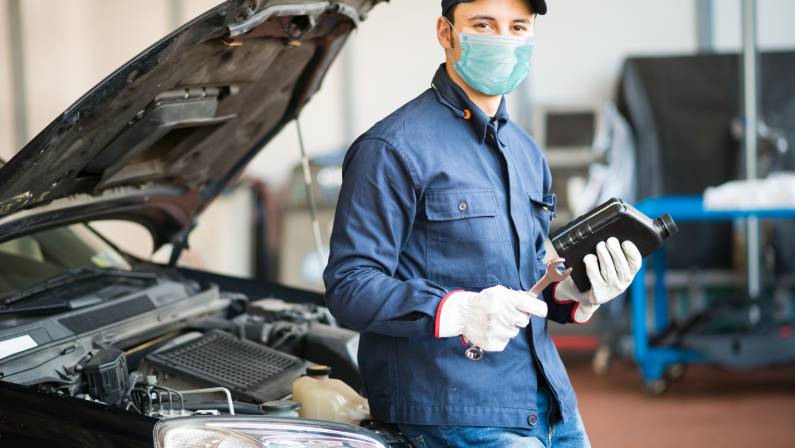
167, 346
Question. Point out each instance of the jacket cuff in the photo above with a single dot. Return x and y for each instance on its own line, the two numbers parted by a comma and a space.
559, 310
437, 321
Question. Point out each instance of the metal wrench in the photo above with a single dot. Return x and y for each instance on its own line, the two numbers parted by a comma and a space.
554, 273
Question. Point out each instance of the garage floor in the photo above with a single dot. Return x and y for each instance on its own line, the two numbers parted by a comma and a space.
709, 407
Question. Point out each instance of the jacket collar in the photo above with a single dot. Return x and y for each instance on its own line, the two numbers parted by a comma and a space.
452, 96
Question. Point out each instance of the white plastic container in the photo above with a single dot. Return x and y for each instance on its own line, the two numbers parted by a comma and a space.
323, 398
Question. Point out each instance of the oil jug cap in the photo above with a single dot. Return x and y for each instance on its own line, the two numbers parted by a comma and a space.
318, 370
667, 225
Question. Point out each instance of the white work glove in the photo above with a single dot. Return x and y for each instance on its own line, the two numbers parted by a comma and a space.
610, 271
490, 318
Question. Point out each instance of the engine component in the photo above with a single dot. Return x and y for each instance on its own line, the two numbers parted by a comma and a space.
222, 407
249, 370
274, 310
337, 347
323, 398
281, 408
106, 374
159, 401
229, 403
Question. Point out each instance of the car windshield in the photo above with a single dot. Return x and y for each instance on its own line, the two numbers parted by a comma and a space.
31, 259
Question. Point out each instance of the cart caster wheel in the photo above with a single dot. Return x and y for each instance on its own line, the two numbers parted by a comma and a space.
601, 361
675, 372
656, 388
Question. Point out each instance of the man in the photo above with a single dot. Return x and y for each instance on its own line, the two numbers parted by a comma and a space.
439, 230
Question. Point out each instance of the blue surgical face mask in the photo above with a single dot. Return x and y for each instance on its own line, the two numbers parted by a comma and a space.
493, 65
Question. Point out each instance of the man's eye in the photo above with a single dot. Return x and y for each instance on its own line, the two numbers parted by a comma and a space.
483, 26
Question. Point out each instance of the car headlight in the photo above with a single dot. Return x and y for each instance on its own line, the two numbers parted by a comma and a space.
260, 432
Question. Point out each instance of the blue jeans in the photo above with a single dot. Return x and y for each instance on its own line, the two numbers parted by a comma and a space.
545, 434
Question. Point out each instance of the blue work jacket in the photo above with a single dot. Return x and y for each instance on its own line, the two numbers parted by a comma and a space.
438, 197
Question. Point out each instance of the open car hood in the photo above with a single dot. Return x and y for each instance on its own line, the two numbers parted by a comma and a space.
162, 136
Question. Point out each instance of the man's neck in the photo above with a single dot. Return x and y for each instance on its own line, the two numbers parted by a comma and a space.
487, 103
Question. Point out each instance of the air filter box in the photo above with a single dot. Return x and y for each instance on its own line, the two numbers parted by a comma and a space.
251, 371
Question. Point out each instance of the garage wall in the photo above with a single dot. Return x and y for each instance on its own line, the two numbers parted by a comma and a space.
6, 106
581, 45
70, 46
774, 23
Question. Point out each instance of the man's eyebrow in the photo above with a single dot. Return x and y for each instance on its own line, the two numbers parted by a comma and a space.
482, 17
490, 18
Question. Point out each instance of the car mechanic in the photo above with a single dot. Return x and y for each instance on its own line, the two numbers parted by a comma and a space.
439, 232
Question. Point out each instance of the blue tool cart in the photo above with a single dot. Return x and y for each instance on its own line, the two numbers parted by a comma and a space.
658, 365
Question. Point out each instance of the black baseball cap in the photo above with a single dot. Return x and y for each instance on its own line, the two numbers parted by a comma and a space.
539, 6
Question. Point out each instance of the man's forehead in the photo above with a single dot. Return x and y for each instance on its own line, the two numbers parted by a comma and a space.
536, 6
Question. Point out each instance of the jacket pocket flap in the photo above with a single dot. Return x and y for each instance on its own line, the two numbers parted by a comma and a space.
457, 204
546, 202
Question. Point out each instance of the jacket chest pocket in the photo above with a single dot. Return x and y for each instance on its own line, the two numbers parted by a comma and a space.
543, 212
463, 238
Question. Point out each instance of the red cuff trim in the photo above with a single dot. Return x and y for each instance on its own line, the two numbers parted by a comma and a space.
439, 311
555, 298
573, 310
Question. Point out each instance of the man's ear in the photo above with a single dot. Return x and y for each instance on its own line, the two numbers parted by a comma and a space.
444, 33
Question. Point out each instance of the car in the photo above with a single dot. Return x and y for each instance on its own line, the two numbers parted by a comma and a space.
101, 348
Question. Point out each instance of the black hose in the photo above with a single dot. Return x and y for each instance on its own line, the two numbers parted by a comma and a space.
212, 323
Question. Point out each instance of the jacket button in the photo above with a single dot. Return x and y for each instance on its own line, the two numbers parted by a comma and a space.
463, 206
532, 420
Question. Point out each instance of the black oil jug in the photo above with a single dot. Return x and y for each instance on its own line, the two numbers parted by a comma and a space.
614, 218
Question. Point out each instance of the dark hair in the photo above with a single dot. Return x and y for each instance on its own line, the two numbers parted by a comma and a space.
450, 14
